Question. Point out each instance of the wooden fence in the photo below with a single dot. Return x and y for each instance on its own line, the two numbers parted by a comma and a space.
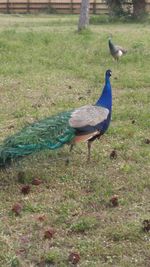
50, 6
54, 6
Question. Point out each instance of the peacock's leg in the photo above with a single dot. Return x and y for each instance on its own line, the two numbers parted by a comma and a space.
89, 151
71, 147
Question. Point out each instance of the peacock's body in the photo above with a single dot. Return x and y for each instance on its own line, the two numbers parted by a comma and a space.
82, 124
116, 50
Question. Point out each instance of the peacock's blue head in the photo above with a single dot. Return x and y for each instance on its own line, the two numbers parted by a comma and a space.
108, 73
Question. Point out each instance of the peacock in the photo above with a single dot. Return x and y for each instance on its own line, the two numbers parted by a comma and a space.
85, 123
116, 50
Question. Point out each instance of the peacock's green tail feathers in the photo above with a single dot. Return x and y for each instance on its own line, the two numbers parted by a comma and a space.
49, 133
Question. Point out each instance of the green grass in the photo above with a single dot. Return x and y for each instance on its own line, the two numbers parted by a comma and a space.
47, 67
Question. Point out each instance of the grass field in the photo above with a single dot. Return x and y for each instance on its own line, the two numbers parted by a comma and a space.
47, 67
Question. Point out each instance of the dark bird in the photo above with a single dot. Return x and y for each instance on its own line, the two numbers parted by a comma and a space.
116, 50
85, 123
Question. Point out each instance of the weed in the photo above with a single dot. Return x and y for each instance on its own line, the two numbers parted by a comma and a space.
84, 224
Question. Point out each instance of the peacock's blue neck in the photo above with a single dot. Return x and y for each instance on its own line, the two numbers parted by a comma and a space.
105, 99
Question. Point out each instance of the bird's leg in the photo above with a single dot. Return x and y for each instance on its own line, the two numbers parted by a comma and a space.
89, 151
71, 147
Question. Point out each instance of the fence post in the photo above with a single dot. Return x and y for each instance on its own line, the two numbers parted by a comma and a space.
94, 7
28, 6
71, 6
49, 6
8, 9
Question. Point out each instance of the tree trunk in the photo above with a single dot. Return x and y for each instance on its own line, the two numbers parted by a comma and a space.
84, 15
139, 7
